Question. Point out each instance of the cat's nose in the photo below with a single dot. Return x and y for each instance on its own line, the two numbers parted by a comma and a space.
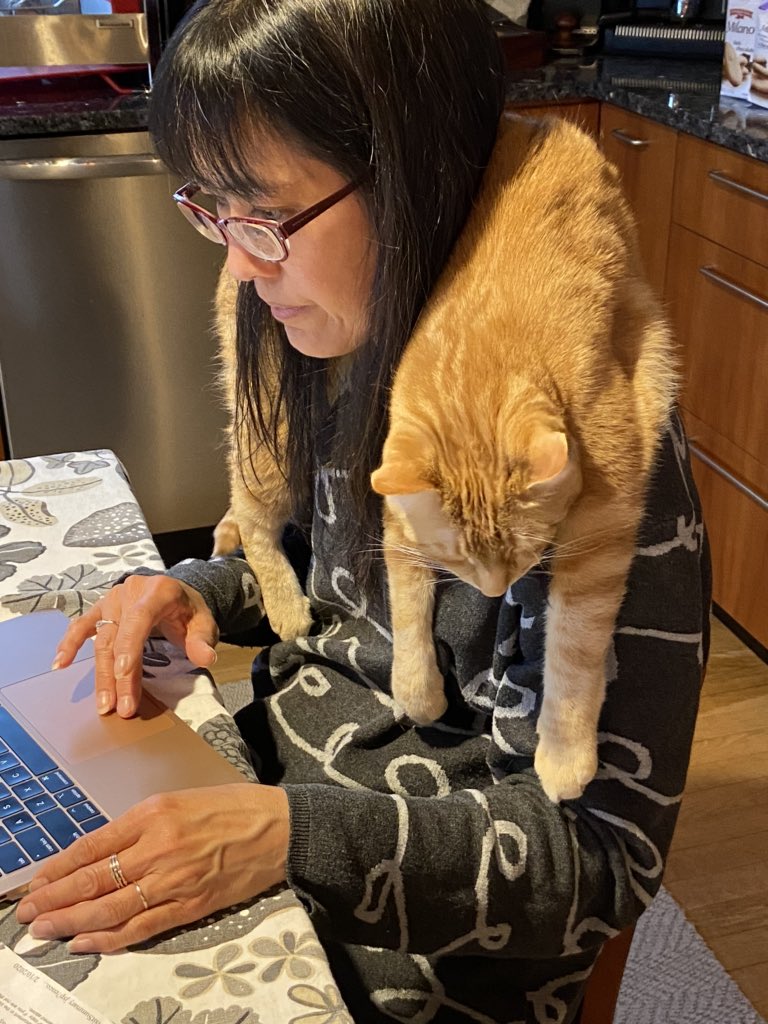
492, 582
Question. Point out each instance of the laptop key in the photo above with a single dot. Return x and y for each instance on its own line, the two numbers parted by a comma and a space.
28, 789
17, 822
81, 812
35, 843
60, 827
9, 805
38, 804
93, 823
55, 781
67, 797
8, 760
19, 740
13, 776
12, 858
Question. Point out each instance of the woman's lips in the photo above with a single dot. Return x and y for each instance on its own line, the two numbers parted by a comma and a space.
286, 312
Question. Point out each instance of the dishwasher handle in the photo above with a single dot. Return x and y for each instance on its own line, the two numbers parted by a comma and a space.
68, 168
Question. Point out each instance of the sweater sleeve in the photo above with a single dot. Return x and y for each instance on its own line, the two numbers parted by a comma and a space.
499, 869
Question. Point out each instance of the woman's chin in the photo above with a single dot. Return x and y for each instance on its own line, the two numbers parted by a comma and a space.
316, 346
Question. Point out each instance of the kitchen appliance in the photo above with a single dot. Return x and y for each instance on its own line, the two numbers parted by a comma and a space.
105, 313
677, 28
56, 33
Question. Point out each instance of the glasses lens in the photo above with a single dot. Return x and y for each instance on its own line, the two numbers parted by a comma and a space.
202, 223
258, 240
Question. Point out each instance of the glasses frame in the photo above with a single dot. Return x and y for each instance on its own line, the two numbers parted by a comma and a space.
280, 229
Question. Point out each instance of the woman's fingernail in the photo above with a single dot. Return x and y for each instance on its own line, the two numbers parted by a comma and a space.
122, 664
57, 662
125, 706
26, 912
42, 930
83, 945
103, 701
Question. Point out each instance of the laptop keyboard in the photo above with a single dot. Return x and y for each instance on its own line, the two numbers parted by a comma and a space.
42, 811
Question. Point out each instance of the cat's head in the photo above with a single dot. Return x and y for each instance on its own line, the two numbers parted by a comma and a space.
486, 514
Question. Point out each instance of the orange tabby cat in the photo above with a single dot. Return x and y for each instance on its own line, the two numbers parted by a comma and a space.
259, 499
525, 415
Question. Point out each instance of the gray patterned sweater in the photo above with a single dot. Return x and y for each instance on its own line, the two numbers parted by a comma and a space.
442, 882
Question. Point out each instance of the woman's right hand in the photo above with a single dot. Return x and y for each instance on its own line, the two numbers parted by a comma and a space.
132, 610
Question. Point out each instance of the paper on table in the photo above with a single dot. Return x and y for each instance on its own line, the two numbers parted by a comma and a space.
28, 997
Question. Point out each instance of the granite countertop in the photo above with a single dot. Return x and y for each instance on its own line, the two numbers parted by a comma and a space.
682, 94
679, 93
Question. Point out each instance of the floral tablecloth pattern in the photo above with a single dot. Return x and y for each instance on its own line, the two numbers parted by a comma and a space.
69, 527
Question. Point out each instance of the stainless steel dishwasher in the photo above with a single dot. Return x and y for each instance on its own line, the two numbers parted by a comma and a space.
105, 320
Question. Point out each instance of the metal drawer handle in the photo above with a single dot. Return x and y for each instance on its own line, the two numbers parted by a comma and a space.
721, 471
731, 286
629, 140
68, 168
723, 179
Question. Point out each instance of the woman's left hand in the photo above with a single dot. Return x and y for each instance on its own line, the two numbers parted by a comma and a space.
189, 852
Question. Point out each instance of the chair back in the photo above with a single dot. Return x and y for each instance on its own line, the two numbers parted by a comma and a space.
602, 991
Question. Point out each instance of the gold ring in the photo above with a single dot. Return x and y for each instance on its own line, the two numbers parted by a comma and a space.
105, 622
142, 897
114, 866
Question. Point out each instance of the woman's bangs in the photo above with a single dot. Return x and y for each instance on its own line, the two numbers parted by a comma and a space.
211, 141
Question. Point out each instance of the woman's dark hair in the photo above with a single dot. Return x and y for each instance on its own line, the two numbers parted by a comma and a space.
408, 92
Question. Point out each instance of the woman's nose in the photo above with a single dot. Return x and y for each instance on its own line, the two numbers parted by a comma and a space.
243, 266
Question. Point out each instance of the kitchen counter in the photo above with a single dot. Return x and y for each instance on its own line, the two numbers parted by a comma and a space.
681, 94
685, 95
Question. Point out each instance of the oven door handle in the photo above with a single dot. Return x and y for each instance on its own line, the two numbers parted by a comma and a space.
78, 167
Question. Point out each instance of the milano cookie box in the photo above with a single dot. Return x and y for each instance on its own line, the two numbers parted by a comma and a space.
745, 59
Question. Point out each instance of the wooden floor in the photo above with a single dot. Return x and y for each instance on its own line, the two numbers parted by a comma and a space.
718, 868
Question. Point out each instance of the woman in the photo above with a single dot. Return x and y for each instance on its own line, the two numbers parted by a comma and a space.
437, 874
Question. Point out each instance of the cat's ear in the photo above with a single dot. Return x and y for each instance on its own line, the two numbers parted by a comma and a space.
547, 456
423, 520
393, 478
555, 468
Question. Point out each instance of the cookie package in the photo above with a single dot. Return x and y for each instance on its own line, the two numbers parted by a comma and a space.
745, 58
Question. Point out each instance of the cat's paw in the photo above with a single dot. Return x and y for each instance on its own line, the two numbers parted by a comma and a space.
291, 618
565, 768
420, 693
226, 537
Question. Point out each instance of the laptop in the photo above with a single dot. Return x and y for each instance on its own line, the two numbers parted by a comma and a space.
64, 769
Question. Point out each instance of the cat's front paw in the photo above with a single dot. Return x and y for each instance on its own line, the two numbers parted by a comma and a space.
292, 617
565, 767
226, 536
420, 692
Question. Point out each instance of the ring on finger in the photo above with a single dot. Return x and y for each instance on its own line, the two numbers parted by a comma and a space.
142, 897
105, 622
114, 866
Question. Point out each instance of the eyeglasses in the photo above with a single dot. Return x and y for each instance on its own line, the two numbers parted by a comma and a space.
266, 239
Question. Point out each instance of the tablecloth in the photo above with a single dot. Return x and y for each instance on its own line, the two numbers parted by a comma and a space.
69, 527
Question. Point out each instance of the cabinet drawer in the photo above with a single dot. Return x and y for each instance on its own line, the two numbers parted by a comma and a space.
644, 153
719, 307
723, 196
738, 533
586, 115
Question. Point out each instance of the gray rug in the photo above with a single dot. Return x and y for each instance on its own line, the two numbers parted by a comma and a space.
671, 976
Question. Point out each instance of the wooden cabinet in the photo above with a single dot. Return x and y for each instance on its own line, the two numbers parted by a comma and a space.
723, 196
586, 114
644, 153
717, 294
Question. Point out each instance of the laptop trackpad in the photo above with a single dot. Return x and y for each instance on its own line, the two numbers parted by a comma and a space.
62, 707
